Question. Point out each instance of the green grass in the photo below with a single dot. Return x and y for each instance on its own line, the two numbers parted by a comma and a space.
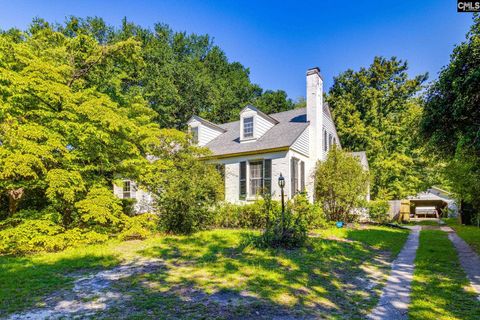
203, 271
471, 234
440, 289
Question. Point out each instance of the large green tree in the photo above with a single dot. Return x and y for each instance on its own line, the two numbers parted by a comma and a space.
68, 121
184, 74
377, 109
451, 118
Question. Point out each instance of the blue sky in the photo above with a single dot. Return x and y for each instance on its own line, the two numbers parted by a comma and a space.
279, 40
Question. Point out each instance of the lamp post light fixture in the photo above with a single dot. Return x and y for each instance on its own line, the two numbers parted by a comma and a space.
281, 184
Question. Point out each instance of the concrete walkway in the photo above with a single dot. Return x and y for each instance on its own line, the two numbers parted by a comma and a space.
395, 297
469, 259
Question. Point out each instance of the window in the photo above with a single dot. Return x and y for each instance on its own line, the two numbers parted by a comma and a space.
221, 169
334, 140
267, 175
194, 132
127, 189
294, 175
302, 176
248, 127
256, 177
329, 141
325, 147
243, 180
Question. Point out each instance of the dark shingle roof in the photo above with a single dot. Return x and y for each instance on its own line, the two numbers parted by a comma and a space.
289, 127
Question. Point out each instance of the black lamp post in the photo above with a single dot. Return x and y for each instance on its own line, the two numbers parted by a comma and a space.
281, 184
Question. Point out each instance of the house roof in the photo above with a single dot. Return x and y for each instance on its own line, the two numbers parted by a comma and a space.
290, 124
275, 121
207, 123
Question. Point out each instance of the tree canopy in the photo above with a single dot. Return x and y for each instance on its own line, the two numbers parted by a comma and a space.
377, 110
451, 118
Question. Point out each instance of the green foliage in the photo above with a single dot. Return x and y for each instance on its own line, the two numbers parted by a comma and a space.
20, 235
377, 109
100, 208
312, 213
285, 230
249, 215
139, 227
451, 119
341, 185
378, 211
185, 188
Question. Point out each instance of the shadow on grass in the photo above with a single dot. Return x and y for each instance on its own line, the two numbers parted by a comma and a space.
327, 277
25, 281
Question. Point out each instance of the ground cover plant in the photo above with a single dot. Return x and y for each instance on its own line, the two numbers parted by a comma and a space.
216, 273
440, 288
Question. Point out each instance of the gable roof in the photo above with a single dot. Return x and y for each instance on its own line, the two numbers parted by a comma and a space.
290, 125
266, 116
207, 123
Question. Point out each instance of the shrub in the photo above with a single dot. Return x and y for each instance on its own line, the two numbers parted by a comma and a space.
378, 211
128, 206
287, 230
249, 215
139, 227
29, 235
313, 213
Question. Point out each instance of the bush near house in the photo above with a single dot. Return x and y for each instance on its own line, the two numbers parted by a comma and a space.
341, 185
378, 211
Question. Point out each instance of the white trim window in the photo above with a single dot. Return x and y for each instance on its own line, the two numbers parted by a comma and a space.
248, 127
194, 133
256, 177
127, 189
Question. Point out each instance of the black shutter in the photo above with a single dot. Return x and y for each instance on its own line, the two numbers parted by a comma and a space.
243, 180
292, 177
302, 176
267, 176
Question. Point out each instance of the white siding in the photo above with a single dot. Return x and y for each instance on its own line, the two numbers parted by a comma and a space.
329, 126
144, 200
301, 144
310, 165
280, 164
262, 125
205, 133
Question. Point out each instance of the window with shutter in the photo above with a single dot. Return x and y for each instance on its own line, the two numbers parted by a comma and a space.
267, 175
243, 180
329, 141
294, 175
302, 176
127, 189
256, 177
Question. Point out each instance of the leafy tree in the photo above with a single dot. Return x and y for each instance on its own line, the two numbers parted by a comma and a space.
68, 122
377, 109
341, 185
184, 188
184, 74
451, 119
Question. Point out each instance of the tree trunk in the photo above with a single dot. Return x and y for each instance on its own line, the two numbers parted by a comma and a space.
14, 197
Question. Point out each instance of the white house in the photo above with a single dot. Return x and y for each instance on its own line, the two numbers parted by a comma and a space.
253, 151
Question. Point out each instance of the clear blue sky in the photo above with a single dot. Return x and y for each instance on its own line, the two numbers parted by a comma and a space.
279, 40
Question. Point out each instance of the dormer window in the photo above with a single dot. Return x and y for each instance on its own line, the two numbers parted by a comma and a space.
248, 127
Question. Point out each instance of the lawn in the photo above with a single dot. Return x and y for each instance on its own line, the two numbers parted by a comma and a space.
218, 274
440, 289
471, 234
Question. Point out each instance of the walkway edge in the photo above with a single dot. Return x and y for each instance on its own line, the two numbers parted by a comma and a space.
395, 298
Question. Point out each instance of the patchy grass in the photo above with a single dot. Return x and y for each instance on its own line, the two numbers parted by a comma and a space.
217, 274
440, 288
471, 234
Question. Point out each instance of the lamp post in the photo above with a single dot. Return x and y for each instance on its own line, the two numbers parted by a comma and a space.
281, 184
